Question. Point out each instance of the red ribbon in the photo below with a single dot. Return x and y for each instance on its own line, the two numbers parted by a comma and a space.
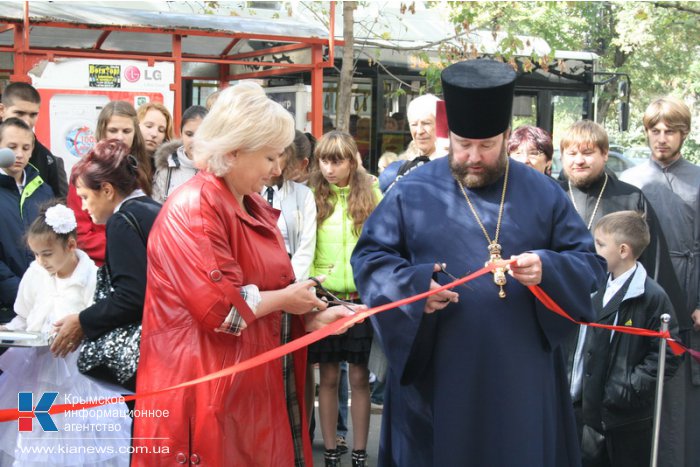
675, 346
337, 326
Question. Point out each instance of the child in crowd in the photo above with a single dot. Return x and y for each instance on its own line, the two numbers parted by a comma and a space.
60, 282
619, 370
117, 120
305, 150
156, 125
297, 223
23, 101
22, 191
173, 160
345, 197
297, 220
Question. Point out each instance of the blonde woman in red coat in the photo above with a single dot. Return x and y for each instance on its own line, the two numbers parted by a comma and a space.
218, 279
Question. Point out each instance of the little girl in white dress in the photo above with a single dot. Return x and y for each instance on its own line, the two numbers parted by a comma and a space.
60, 282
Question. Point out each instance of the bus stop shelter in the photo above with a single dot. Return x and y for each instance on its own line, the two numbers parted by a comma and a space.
207, 47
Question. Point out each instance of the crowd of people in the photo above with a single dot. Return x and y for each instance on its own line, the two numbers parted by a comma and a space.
159, 260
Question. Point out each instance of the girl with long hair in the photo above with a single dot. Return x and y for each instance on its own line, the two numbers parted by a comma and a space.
117, 120
345, 196
156, 125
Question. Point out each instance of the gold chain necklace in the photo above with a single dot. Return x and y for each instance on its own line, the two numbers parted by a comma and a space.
597, 202
499, 274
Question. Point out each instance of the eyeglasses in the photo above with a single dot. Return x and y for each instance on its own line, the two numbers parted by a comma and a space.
533, 157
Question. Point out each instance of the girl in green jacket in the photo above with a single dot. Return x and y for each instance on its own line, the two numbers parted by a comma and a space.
345, 196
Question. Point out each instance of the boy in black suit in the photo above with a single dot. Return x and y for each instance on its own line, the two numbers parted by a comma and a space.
619, 370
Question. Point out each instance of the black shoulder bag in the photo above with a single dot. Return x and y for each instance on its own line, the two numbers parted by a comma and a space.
115, 354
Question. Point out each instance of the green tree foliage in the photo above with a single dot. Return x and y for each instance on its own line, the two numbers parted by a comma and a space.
656, 43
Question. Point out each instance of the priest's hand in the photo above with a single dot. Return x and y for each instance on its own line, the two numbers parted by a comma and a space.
439, 300
527, 269
696, 319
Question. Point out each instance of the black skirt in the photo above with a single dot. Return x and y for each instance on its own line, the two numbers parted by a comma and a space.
352, 346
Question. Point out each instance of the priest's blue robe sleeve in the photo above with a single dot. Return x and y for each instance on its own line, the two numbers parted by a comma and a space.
384, 273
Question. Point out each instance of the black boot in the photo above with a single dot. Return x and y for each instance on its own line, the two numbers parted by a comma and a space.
331, 458
359, 458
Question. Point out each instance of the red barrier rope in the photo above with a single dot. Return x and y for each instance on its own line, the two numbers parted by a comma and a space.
337, 326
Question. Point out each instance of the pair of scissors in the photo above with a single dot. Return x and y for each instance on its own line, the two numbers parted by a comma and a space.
443, 269
328, 297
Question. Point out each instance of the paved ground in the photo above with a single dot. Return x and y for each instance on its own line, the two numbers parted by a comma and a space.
372, 442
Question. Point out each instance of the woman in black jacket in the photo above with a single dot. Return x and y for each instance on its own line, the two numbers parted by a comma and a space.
107, 183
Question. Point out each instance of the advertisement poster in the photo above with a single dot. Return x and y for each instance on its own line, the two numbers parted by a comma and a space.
105, 76
74, 92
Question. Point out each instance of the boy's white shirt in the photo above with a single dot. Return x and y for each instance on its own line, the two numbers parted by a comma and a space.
42, 299
614, 285
635, 289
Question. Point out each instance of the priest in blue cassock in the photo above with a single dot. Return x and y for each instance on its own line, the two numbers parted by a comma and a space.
476, 374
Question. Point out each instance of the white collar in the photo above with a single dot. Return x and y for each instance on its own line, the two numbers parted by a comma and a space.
137, 193
619, 280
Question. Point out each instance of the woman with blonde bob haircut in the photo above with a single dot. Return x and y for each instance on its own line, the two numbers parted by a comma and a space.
219, 281
246, 120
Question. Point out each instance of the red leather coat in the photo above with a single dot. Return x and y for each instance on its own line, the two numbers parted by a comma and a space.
202, 248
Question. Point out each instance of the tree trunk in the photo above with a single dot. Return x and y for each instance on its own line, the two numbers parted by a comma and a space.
346, 69
604, 103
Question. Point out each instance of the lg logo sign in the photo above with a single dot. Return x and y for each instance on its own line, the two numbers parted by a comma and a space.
132, 74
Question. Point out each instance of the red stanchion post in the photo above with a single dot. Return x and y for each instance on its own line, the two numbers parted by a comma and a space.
665, 319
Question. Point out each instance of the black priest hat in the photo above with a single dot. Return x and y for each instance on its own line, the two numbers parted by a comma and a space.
478, 97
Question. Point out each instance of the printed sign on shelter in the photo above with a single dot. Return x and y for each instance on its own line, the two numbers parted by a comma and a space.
105, 76
75, 90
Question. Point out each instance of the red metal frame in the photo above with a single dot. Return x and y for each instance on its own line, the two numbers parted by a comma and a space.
270, 50
228, 48
101, 40
176, 87
26, 56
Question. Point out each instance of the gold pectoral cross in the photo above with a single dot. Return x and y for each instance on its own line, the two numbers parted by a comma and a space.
499, 273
